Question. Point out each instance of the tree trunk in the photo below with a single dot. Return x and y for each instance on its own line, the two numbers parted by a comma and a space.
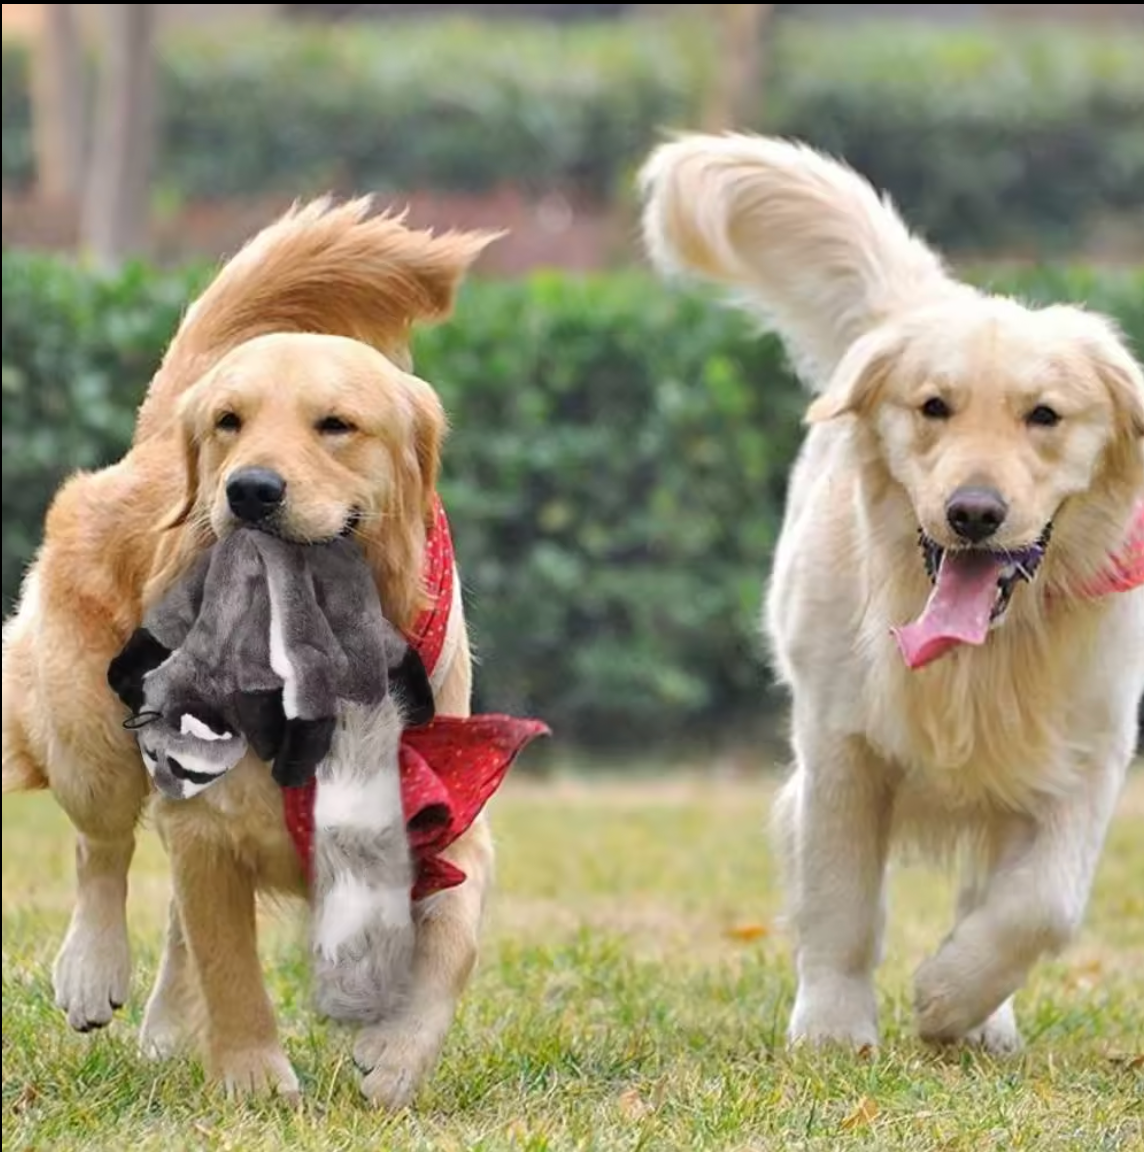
116, 198
737, 89
59, 111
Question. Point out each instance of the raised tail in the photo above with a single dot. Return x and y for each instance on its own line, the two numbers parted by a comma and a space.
326, 268
804, 241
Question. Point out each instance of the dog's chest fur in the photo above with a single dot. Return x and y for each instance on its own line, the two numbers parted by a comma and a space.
998, 726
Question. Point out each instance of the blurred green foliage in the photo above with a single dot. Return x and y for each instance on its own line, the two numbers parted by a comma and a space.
986, 137
446, 104
615, 474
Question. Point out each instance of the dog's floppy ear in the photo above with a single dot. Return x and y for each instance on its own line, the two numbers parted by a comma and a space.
1117, 370
858, 380
1123, 378
429, 427
188, 431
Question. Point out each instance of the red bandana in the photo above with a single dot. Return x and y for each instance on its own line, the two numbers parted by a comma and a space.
1125, 569
450, 766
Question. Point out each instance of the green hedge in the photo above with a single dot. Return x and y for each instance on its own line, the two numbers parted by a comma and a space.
448, 104
985, 137
615, 473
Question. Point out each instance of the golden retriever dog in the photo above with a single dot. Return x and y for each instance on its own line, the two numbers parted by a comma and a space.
959, 684
291, 370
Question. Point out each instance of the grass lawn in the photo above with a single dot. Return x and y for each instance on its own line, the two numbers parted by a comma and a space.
633, 994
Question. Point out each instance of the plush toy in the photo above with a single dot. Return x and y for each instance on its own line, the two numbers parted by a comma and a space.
195, 678
282, 648
256, 646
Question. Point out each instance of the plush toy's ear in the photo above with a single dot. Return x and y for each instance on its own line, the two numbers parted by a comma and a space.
410, 683
140, 655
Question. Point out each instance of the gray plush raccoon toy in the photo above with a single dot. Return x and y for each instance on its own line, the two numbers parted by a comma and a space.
283, 648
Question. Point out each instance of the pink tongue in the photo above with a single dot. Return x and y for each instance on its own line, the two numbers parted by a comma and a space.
957, 611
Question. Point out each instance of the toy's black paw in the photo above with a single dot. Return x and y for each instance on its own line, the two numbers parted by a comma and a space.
262, 721
410, 683
305, 744
140, 655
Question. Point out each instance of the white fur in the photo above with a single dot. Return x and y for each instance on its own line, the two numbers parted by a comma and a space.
1012, 754
372, 802
280, 661
351, 906
784, 199
193, 726
454, 631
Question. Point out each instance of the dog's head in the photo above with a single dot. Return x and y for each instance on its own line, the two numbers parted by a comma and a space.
311, 437
1015, 434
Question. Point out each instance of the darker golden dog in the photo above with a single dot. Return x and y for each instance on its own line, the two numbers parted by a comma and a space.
285, 393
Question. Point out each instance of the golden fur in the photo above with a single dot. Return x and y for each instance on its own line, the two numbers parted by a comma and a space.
310, 322
1014, 751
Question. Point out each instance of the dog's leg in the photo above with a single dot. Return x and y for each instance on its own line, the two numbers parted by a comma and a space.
396, 1055
1032, 903
172, 1006
92, 973
835, 818
999, 1034
215, 894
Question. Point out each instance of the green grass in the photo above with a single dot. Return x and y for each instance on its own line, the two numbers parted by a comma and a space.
633, 994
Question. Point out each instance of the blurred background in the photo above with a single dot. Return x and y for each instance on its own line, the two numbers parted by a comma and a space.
620, 448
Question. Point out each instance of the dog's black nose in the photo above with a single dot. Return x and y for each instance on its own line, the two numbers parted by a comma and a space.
255, 493
975, 513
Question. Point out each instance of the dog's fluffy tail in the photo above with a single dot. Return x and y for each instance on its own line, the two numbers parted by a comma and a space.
803, 240
323, 267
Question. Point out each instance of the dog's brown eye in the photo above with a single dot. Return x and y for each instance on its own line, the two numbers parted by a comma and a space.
1043, 417
334, 426
228, 422
935, 408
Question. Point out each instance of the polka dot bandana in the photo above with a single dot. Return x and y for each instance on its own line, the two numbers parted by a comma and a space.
450, 766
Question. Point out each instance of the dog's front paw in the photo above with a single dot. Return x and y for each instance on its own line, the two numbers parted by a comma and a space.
255, 1071
947, 1005
999, 1035
396, 1056
839, 1010
165, 1031
92, 973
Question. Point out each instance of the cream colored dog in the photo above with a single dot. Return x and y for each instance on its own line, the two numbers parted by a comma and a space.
974, 464
292, 369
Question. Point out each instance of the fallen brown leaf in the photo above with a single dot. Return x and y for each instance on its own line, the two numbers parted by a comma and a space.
633, 1105
27, 1097
745, 933
865, 1112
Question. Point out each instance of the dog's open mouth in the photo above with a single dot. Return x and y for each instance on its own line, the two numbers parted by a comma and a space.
972, 588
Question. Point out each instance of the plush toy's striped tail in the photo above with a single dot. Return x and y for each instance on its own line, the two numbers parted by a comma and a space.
362, 879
